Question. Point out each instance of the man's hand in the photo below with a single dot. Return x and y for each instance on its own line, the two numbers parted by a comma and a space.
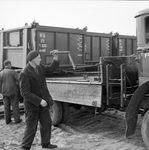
55, 54
43, 103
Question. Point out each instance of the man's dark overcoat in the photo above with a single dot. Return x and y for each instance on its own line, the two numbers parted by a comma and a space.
33, 86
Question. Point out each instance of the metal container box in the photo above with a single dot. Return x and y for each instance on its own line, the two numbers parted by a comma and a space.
84, 47
124, 45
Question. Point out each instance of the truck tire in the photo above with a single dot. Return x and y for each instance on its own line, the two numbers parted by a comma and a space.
145, 129
132, 110
56, 113
65, 112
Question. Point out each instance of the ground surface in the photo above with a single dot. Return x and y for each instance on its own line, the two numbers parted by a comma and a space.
83, 131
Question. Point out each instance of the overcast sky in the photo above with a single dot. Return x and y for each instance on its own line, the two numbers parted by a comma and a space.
99, 16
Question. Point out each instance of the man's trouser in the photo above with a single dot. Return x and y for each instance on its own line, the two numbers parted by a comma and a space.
14, 102
31, 128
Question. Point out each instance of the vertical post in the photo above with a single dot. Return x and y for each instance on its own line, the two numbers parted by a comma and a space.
33, 30
1, 50
69, 43
83, 49
126, 48
24, 47
133, 50
100, 52
100, 70
110, 85
55, 40
107, 79
92, 51
124, 82
122, 85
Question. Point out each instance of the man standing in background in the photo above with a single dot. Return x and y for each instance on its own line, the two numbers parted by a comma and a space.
9, 90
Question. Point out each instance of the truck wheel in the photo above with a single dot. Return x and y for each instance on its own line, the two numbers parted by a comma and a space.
132, 110
56, 113
66, 112
145, 129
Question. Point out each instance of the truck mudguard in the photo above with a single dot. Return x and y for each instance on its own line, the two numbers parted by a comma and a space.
133, 108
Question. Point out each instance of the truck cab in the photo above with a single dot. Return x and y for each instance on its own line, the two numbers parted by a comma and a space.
140, 99
142, 28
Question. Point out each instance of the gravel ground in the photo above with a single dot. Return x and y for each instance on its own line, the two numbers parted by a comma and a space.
83, 131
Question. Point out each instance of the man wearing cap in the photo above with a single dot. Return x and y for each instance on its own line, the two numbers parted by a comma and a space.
9, 90
37, 99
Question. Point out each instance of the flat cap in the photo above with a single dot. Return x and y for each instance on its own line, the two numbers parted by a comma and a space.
6, 62
31, 55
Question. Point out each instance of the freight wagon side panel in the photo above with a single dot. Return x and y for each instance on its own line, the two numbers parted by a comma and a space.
127, 45
62, 39
124, 45
47, 41
97, 45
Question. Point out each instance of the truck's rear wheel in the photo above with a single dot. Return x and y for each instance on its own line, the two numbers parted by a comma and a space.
56, 113
145, 128
66, 112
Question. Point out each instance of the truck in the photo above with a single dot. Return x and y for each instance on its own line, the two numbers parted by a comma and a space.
140, 98
97, 70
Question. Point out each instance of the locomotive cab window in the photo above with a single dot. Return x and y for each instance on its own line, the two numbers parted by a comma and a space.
147, 29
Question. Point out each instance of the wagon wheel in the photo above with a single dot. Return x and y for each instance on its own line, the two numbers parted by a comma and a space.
56, 113
91, 109
145, 129
66, 112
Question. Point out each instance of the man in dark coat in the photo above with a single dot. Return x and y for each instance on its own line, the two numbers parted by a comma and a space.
9, 90
37, 99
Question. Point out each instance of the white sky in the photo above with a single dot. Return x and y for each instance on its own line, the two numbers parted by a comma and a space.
99, 16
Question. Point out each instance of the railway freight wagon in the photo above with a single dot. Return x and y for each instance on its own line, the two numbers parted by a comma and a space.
84, 47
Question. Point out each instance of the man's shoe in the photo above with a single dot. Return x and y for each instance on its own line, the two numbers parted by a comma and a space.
24, 148
18, 121
8, 121
49, 146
